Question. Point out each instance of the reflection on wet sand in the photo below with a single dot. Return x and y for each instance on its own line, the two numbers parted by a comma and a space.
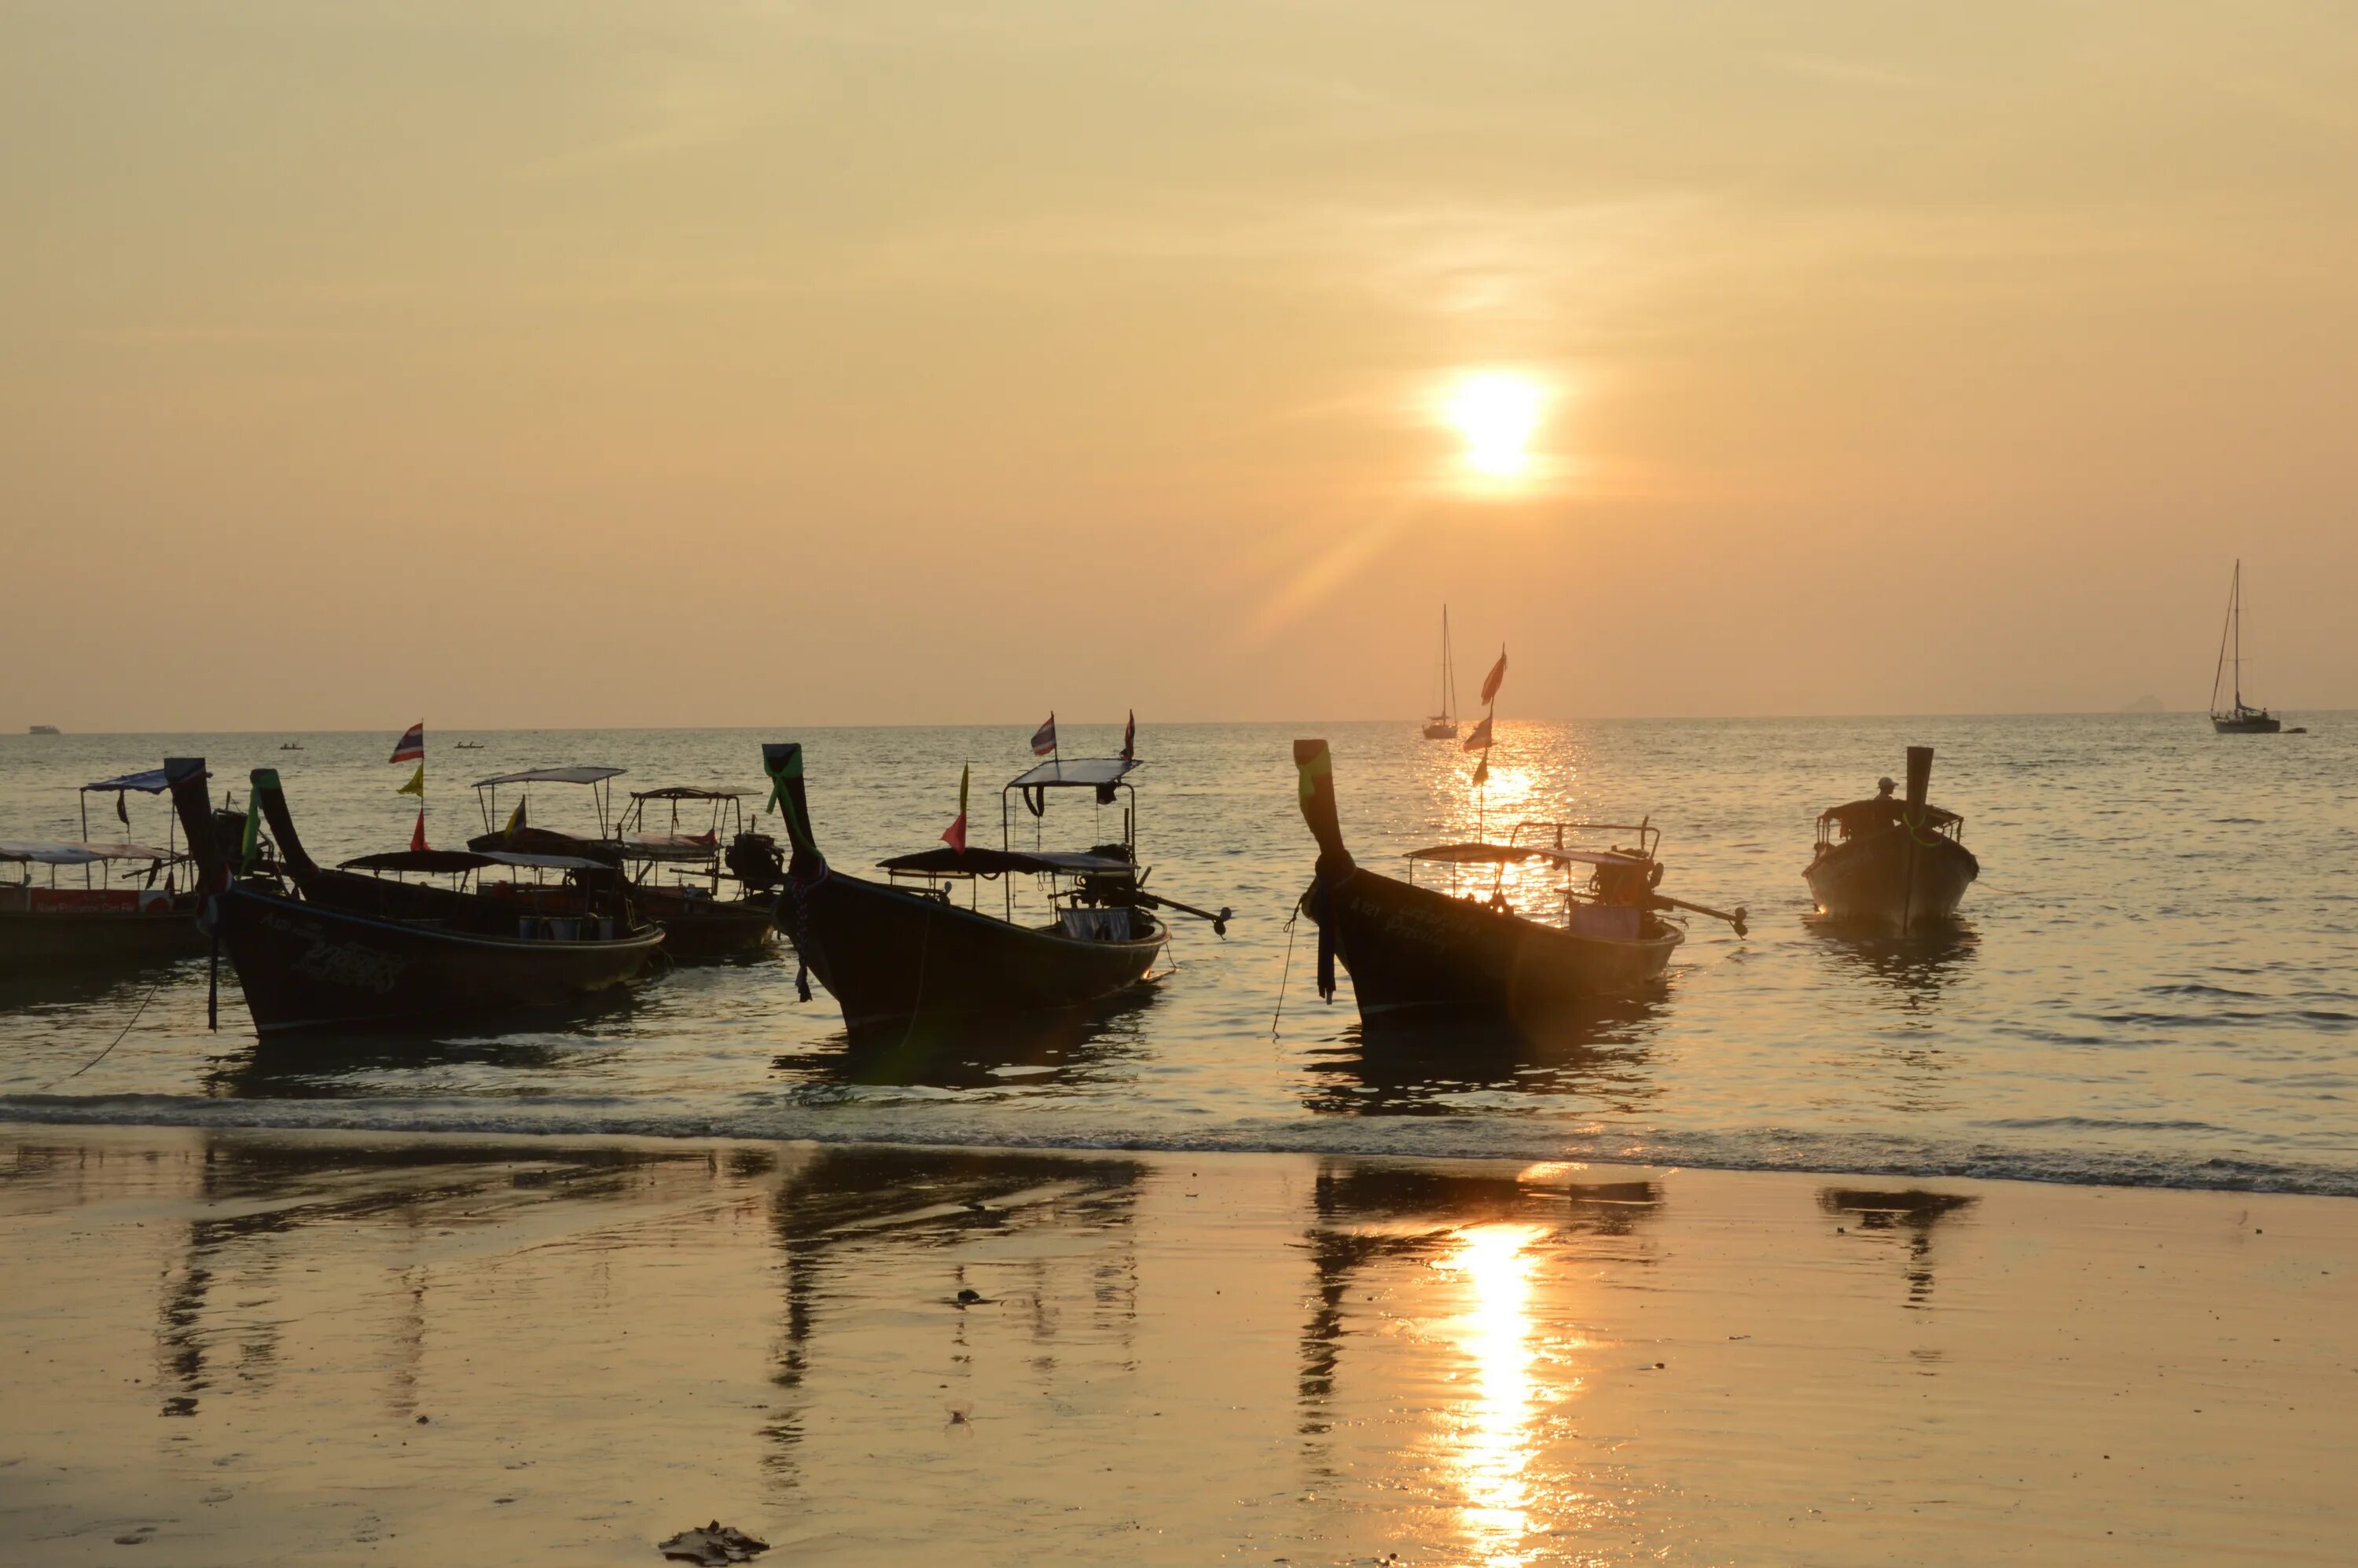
1913, 1212
1415, 1063
1487, 1236
1054, 1051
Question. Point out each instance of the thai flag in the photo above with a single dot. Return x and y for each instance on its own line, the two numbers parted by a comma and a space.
1044, 740
1129, 738
1480, 740
412, 746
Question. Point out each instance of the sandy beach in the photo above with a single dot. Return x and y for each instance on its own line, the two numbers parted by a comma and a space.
230, 1346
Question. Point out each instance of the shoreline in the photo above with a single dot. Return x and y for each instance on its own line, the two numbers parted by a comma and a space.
228, 1339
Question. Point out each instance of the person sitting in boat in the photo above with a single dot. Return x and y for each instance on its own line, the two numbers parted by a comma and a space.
1861, 817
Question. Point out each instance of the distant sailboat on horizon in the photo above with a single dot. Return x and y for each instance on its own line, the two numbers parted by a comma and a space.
1442, 726
2242, 719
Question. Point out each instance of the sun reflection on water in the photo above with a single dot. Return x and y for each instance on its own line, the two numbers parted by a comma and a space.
1496, 1435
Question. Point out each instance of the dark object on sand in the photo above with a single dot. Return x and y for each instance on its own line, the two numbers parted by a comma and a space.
1408, 946
895, 956
715, 1545
341, 950
1892, 866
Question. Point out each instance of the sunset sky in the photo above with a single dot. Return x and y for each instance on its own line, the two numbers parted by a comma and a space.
575, 364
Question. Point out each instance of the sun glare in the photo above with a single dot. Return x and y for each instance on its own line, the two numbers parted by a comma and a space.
1497, 414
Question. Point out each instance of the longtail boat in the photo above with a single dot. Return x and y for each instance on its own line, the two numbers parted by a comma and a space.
351, 948
1408, 946
902, 953
698, 923
1888, 865
130, 906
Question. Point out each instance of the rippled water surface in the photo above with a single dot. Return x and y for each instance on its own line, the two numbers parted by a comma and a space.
2153, 981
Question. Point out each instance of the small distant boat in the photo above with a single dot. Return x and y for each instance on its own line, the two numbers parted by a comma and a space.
1442, 726
896, 957
1890, 865
468, 746
354, 947
141, 916
290, 746
1408, 946
2241, 718
44, 730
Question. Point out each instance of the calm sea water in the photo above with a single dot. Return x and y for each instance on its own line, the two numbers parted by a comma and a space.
2156, 980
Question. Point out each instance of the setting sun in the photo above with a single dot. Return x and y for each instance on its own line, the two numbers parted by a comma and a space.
1497, 414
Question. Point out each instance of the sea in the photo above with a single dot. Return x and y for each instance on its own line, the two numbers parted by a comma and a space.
2154, 982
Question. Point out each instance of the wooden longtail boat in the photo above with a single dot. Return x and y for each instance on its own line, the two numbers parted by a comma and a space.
698, 923
1408, 946
145, 916
1892, 867
343, 949
895, 957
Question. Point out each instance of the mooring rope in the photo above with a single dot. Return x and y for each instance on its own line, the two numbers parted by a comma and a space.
118, 1039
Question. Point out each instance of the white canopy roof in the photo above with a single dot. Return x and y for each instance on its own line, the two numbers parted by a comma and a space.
43, 853
554, 775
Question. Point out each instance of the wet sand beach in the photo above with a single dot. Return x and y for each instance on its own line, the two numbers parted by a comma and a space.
245, 1347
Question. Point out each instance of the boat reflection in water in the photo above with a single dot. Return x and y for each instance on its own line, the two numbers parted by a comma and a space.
1916, 968
1492, 1240
1410, 1064
1066, 1049
1909, 1215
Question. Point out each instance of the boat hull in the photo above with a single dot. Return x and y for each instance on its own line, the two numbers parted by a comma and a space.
2245, 726
306, 966
891, 958
1407, 947
34, 941
1441, 731
1892, 881
707, 928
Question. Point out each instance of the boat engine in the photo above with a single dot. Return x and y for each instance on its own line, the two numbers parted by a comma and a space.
754, 859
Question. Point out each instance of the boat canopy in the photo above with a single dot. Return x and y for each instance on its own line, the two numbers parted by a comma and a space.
1881, 811
468, 860
667, 846
42, 853
687, 792
151, 782
582, 775
980, 862
1075, 773
1476, 854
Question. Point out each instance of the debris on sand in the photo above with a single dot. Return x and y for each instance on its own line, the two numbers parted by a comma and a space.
971, 1297
714, 1545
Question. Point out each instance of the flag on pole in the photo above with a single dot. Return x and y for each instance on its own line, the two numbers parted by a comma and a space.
1480, 740
411, 747
249, 854
1482, 770
1129, 738
955, 834
120, 814
1490, 681
416, 786
417, 834
1044, 740
516, 820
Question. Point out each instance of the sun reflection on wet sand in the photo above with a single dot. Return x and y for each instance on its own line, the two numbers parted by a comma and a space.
1495, 1434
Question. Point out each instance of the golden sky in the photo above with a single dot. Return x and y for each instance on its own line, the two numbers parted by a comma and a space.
566, 362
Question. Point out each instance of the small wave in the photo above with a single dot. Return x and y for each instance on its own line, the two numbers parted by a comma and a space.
1431, 1137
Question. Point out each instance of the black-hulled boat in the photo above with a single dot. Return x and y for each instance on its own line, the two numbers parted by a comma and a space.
698, 922
2240, 718
130, 906
1409, 947
1891, 866
353, 948
895, 957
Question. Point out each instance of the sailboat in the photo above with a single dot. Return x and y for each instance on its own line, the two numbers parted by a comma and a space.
1442, 726
2242, 719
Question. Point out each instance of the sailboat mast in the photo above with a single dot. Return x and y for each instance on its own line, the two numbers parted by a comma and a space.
1448, 671
2235, 613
